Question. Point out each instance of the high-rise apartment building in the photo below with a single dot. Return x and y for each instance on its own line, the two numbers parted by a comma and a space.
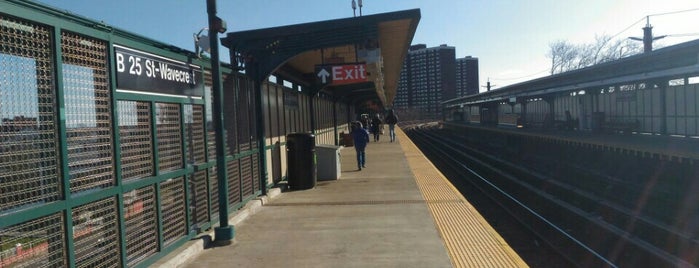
431, 76
467, 76
428, 78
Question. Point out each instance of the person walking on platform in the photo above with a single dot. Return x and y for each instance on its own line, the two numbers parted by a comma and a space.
361, 138
364, 119
391, 120
376, 127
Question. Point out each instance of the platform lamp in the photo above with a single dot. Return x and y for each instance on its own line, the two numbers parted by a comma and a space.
223, 234
360, 7
354, 7
201, 42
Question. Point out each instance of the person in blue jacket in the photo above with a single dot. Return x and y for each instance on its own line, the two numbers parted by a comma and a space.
361, 138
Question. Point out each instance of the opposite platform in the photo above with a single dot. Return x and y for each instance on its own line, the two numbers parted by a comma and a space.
398, 212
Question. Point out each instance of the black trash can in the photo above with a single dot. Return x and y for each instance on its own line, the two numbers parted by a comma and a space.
301, 160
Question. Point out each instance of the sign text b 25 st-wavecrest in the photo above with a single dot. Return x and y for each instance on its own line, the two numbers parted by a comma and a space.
141, 71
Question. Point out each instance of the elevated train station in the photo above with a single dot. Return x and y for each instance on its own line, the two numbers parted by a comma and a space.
123, 151
108, 162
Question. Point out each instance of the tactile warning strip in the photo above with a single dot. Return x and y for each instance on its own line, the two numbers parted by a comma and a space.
469, 239
362, 202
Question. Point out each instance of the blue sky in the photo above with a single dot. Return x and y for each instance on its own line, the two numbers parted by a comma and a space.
509, 37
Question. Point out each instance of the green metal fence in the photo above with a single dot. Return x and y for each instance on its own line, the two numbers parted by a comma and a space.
93, 175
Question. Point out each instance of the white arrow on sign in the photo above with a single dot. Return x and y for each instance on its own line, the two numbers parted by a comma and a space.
323, 74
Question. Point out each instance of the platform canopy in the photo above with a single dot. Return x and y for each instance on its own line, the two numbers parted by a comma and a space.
374, 45
658, 66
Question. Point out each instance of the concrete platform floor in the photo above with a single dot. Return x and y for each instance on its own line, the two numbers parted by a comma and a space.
376, 217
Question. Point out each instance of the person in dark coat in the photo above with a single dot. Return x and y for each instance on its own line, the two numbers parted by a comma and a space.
361, 138
376, 127
391, 120
364, 119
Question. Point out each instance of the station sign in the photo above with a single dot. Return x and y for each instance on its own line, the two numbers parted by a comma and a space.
145, 72
341, 74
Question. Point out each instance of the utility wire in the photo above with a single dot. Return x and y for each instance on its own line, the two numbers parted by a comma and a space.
682, 35
521, 77
653, 15
612, 37
627, 28
548, 69
674, 12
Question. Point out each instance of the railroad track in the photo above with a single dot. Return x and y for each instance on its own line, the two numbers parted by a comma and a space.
578, 226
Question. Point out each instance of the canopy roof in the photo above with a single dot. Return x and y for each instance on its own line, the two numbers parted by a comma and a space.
293, 51
678, 61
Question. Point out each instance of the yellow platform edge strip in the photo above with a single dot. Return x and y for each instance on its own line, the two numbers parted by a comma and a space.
467, 236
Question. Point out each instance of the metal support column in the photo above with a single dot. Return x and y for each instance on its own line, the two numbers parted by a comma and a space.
311, 107
662, 86
260, 125
524, 112
349, 115
337, 141
311, 110
552, 111
224, 232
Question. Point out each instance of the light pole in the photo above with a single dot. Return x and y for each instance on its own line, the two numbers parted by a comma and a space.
224, 232
647, 37
488, 85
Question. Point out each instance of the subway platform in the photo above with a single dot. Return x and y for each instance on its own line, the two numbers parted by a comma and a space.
399, 211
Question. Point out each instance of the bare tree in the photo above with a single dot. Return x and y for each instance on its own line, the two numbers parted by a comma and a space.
620, 49
562, 55
590, 54
567, 57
